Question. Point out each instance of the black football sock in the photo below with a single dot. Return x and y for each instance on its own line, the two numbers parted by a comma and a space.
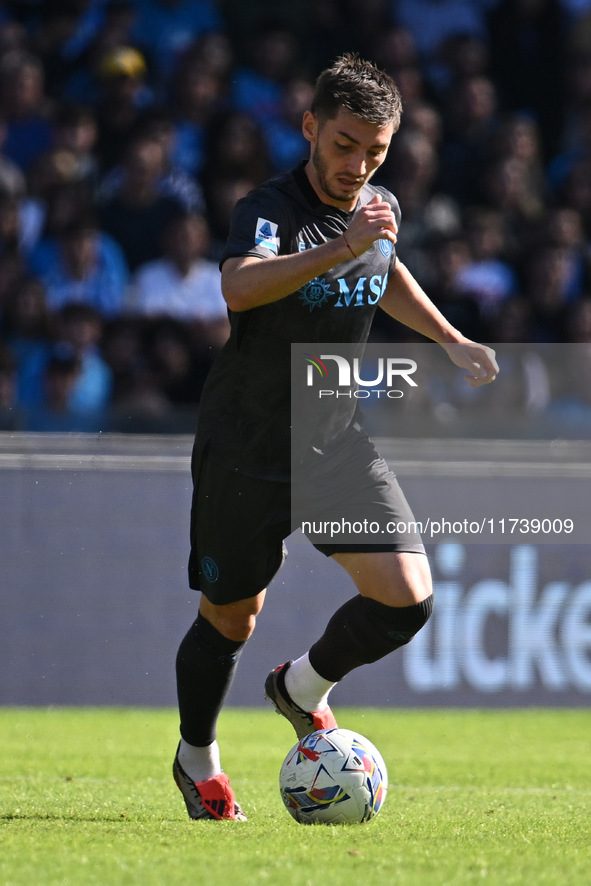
205, 666
363, 631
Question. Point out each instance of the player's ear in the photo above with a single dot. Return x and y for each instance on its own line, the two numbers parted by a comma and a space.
310, 126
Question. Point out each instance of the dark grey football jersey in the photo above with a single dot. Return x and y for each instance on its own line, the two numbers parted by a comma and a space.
245, 407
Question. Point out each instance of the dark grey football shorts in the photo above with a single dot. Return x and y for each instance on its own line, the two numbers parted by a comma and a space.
239, 523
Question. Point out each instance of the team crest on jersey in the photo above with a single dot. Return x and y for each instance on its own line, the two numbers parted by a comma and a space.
266, 234
385, 248
315, 293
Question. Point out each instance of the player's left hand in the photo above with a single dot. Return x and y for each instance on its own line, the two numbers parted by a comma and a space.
479, 360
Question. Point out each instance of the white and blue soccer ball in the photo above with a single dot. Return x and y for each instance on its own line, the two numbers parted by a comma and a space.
333, 776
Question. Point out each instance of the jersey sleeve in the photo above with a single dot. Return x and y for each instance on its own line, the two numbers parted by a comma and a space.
257, 227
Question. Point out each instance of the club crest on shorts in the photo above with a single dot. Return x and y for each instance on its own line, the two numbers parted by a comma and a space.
210, 569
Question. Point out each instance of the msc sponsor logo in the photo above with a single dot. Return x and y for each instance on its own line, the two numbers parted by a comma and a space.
314, 294
366, 291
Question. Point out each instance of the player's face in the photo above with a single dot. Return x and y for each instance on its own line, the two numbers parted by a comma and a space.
345, 153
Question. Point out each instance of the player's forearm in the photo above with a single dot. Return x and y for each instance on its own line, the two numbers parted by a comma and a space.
408, 303
248, 282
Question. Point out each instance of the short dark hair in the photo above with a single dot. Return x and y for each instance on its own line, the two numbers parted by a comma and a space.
360, 87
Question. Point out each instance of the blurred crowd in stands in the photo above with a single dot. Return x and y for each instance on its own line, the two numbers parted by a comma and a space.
129, 128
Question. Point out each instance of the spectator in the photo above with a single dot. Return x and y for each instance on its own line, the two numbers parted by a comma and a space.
513, 323
12, 270
62, 33
321, 26
138, 403
450, 257
411, 172
55, 196
54, 413
546, 285
236, 147
83, 265
561, 166
118, 21
137, 215
9, 223
257, 87
177, 370
395, 51
508, 188
26, 108
124, 94
471, 121
9, 413
198, 92
27, 328
576, 192
165, 28
527, 61
75, 131
216, 54
578, 321
157, 124
12, 179
433, 22
462, 56
563, 226
13, 35
424, 117
487, 277
222, 192
285, 143
123, 351
518, 135
80, 328
365, 20
82, 83
577, 99
184, 284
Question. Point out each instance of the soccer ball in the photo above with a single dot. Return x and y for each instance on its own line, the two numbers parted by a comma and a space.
333, 776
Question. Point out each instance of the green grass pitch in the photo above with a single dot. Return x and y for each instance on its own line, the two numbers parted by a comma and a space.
494, 797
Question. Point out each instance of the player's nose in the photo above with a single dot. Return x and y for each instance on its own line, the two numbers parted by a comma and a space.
357, 165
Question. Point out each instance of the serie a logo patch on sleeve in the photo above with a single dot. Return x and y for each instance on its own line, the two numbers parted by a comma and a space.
266, 234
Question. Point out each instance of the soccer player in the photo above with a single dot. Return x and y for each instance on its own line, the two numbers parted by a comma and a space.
291, 241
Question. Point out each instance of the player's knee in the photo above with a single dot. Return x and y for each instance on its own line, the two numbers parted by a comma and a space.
397, 625
235, 625
234, 621
364, 630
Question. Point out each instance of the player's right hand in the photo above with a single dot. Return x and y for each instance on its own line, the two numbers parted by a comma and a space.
373, 221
